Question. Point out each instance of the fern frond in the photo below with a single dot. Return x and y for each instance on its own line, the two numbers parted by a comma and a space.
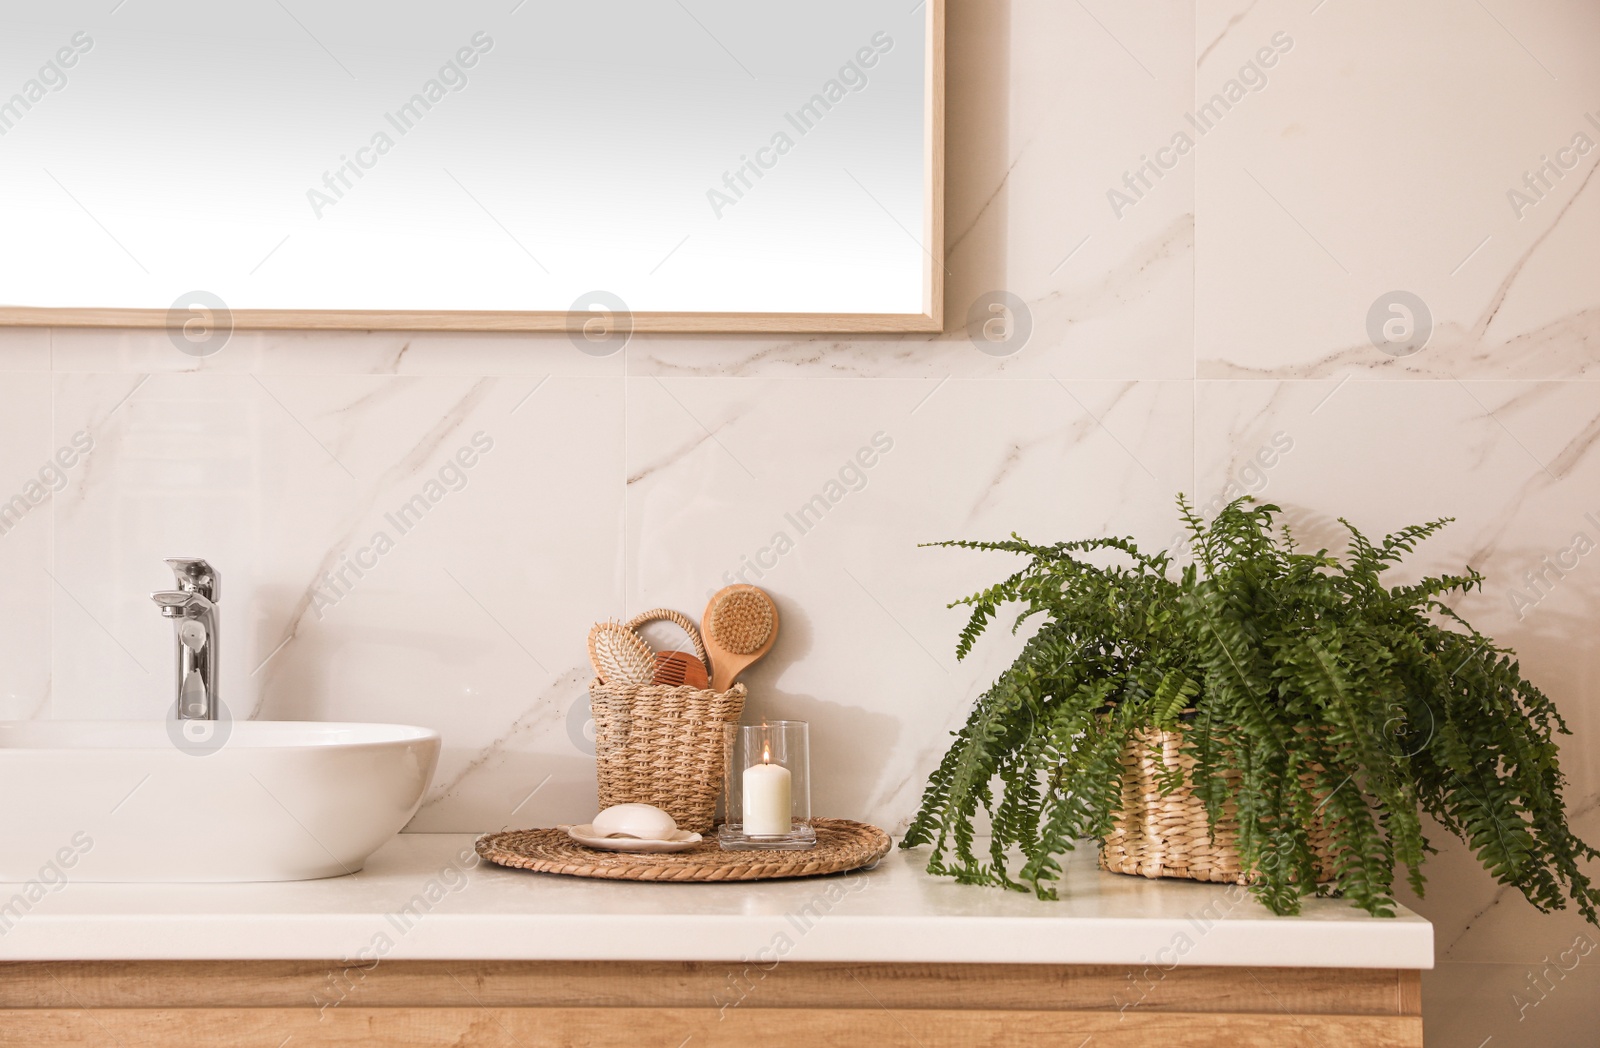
1314, 701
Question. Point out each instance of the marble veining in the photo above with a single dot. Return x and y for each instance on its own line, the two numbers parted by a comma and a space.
404, 469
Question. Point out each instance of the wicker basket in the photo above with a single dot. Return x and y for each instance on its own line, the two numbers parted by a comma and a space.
663, 746
1156, 836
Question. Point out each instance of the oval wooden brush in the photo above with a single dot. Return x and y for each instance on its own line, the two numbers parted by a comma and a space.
619, 655
740, 626
676, 668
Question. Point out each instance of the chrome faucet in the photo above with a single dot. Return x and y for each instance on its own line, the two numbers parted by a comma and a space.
193, 607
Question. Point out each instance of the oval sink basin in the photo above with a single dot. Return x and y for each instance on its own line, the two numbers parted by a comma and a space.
276, 801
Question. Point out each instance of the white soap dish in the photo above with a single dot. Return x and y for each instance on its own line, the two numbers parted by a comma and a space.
587, 835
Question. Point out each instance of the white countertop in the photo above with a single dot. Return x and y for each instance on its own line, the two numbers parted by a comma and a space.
895, 913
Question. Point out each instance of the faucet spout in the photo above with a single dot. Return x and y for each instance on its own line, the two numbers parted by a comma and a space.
193, 609
177, 604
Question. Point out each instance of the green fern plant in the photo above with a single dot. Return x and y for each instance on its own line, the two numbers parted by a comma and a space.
1337, 700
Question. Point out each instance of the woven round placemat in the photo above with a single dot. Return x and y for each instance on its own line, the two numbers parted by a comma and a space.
841, 845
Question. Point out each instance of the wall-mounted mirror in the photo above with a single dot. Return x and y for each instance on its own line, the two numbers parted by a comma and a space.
705, 165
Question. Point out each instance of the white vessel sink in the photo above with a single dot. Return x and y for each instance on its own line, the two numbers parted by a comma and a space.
277, 801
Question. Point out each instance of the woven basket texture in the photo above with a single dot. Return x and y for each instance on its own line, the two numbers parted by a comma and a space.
664, 746
1168, 836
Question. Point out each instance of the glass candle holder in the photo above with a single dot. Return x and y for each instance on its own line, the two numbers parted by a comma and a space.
768, 794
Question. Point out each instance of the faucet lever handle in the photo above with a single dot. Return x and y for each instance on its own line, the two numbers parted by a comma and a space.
194, 575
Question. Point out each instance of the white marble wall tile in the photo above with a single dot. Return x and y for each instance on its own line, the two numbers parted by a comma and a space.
720, 473
25, 349
30, 481
1378, 158
420, 353
1537, 1004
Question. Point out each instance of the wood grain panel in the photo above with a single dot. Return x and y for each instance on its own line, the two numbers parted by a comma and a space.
673, 1027
610, 984
933, 165
378, 320
1410, 992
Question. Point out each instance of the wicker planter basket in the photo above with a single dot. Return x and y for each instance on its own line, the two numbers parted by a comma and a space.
1156, 836
663, 746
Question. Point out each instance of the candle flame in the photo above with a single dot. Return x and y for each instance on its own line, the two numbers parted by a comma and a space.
766, 755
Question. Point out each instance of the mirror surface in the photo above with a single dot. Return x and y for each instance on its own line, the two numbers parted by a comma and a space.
703, 156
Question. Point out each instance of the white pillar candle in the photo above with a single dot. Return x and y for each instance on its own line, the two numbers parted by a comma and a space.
766, 800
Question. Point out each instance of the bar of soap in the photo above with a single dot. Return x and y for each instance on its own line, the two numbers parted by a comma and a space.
644, 821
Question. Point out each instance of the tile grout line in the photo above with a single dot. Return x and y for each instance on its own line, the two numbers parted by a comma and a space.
622, 583
50, 551
1194, 271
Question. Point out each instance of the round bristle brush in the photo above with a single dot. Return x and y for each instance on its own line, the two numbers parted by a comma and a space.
740, 626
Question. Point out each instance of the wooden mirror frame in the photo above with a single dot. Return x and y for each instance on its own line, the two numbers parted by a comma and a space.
931, 319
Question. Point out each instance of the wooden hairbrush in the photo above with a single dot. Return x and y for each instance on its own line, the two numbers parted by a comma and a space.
676, 668
739, 627
619, 655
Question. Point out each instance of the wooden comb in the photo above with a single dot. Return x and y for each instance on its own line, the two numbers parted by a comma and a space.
676, 669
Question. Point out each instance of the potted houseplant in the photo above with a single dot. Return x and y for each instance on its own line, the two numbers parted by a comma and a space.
1309, 711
